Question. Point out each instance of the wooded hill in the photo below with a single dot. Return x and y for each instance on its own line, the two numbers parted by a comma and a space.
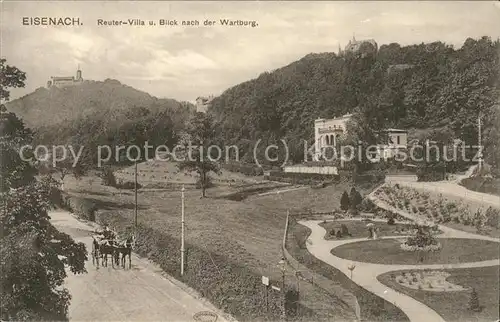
431, 89
101, 113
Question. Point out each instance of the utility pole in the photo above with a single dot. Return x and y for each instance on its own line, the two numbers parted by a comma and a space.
135, 193
282, 266
182, 230
480, 165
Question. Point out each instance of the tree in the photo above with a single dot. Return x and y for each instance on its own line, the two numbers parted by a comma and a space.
474, 301
344, 201
10, 77
492, 139
14, 172
59, 166
355, 199
34, 253
201, 132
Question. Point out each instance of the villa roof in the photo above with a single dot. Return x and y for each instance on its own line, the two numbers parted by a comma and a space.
345, 116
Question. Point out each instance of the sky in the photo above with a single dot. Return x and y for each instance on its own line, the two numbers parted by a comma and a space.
186, 62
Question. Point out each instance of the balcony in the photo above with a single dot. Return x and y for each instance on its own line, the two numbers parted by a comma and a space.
336, 130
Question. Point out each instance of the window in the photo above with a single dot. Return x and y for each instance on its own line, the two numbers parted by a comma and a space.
397, 140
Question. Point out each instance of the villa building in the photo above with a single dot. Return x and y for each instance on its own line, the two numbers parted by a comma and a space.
328, 131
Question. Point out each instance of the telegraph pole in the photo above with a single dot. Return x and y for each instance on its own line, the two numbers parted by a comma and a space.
182, 230
135, 193
479, 143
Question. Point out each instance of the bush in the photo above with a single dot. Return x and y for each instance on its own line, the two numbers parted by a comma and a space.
345, 231
108, 177
83, 208
431, 173
374, 176
127, 185
302, 178
391, 221
492, 217
474, 301
367, 205
344, 201
481, 184
246, 169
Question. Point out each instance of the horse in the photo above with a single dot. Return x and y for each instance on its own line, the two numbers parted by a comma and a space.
125, 250
107, 248
95, 252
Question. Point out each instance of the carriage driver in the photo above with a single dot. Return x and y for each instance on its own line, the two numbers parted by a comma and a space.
108, 233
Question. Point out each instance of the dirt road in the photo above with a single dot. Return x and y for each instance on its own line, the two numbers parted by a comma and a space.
116, 294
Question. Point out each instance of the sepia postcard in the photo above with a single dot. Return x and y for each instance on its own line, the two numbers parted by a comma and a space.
250, 161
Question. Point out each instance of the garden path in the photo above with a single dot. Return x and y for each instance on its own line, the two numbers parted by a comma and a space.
365, 274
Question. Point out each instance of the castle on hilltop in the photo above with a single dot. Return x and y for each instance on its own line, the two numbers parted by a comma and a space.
65, 81
354, 46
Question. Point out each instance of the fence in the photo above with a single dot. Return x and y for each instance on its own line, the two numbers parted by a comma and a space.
331, 170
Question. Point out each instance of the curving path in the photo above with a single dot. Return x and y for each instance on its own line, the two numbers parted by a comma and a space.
450, 189
142, 293
365, 274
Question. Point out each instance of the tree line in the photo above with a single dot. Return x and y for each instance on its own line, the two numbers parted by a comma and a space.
431, 86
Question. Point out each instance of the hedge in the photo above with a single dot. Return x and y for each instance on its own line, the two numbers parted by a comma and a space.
482, 184
301, 178
370, 177
81, 207
246, 169
430, 173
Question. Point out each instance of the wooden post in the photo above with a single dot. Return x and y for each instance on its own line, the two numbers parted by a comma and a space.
135, 193
182, 230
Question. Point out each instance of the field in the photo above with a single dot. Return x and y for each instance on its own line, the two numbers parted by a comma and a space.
154, 173
453, 306
388, 251
247, 232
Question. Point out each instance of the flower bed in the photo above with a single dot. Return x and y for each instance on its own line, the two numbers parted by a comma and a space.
414, 248
440, 210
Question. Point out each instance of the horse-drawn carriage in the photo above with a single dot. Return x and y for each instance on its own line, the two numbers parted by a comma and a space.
106, 243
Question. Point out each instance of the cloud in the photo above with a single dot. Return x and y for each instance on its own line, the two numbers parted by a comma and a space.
194, 61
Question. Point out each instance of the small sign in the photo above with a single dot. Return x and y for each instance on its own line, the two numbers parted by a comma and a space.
275, 288
265, 280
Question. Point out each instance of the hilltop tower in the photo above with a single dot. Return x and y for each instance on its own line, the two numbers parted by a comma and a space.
78, 73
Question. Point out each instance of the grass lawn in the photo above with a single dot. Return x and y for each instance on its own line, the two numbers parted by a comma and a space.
358, 228
452, 306
388, 251
373, 308
248, 232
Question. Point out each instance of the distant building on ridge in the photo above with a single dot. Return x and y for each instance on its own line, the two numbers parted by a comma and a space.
203, 103
363, 46
65, 81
